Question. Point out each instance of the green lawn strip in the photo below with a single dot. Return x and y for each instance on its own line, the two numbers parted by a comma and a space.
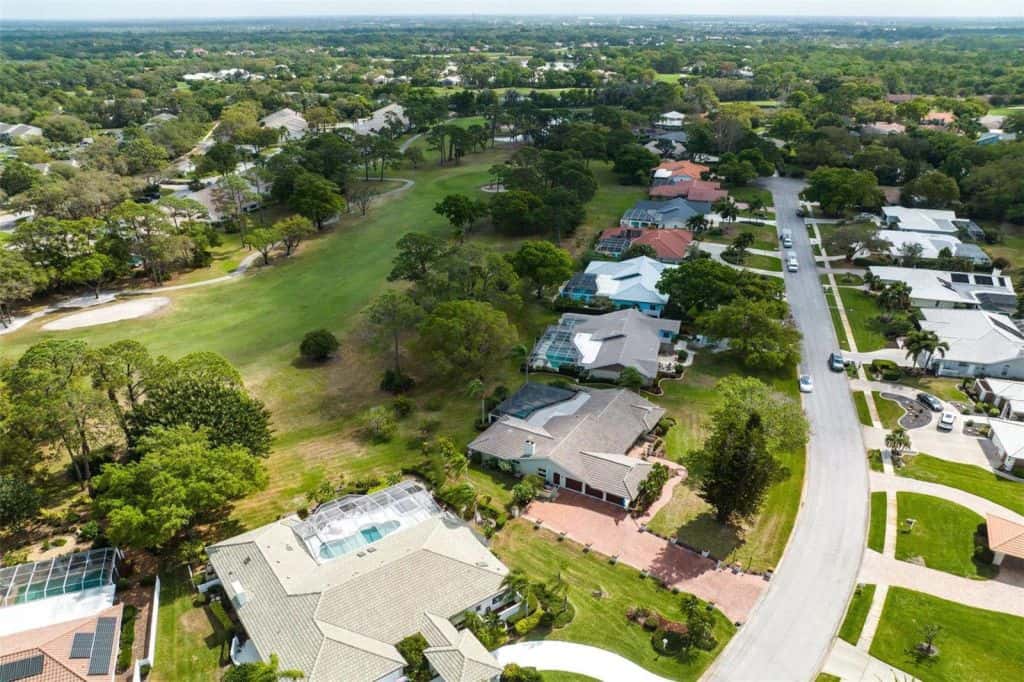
844, 279
861, 401
862, 311
557, 676
875, 460
889, 411
945, 388
942, 535
765, 236
827, 677
601, 621
973, 644
966, 477
690, 402
745, 194
857, 613
837, 321
192, 641
605, 209
759, 262
876, 531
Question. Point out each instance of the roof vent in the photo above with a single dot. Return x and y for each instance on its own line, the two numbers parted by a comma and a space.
529, 448
371, 550
241, 596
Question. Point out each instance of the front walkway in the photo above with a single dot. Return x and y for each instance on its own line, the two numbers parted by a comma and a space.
979, 505
613, 532
575, 658
851, 663
715, 250
952, 447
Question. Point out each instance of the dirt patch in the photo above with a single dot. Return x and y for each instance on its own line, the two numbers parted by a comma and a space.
117, 312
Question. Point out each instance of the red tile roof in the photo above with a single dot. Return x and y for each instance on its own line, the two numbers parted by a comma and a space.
668, 244
1005, 536
687, 168
695, 190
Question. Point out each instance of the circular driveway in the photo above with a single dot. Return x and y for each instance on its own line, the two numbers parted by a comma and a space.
575, 658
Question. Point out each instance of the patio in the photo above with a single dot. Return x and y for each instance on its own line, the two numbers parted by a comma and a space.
613, 532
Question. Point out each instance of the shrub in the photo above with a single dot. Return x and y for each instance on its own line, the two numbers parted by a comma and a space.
632, 379
515, 673
89, 531
395, 382
993, 411
318, 345
378, 424
59, 542
15, 556
417, 668
402, 406
19, 501
527, 624
682, 355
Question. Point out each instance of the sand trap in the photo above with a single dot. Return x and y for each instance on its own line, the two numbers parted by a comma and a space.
112, 313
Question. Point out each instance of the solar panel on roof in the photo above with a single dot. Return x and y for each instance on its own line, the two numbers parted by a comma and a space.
960, 278
102, 646
21, 669
983, 279
81, 645
1007, 328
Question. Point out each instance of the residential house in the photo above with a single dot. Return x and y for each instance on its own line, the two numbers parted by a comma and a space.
981, 343
58, 619
899, 98
1005, 394
663, 214
932, 245
579, 440
883, 128
924, 220
939, 119
292, 124
943, 289
1008, 439
995, 137
671, 119
680, 170
19, 132
1005, 538
669, 245
671, 143
682, 179
630, 283
380, 119
218, 202
604, 345
334, 593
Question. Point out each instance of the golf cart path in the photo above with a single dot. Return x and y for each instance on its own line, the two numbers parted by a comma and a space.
575, 658
129, 310
111, 294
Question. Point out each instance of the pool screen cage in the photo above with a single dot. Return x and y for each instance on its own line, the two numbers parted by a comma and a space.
556, 346
408, 502
61, 575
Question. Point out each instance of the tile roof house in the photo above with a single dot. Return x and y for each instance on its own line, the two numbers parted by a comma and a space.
1008, 438
939, 118
604, 345
663, 214
980, 343
16, 132
58, 619
671, 119
932, 245
922, 220
379, 120
630, 283
333, 594
1005, 538
1005, 394
943, 289
291, 123
669, 245
883, 128
684, 170
578, 440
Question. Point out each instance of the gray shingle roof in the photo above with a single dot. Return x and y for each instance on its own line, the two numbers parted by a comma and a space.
587, 435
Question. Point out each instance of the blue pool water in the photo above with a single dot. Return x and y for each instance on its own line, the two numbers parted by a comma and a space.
353, 543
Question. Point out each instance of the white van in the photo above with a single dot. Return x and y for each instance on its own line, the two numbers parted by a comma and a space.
787, 239
791, 263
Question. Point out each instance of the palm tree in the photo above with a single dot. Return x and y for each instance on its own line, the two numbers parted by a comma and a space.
517, 583
756, 206
726, 208
559, 588
697, 223
522, 355
476, 389
872, 281
898, 441
924, 341
895, 296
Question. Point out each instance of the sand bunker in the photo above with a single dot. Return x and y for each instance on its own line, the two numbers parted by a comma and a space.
111, 313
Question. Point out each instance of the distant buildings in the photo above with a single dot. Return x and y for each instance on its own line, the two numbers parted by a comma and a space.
380, 119
292, 124
682, 179
671, 119
19, 132
883, 128
663, 214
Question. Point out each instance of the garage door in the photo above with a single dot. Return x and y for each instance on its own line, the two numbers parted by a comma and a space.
573, 484
594, 492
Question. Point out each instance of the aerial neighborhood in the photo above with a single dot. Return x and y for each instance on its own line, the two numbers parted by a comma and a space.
510, 349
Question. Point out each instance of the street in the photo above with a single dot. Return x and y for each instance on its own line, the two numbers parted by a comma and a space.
790, 631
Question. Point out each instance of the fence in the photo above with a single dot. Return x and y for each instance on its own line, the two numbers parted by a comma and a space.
151, 644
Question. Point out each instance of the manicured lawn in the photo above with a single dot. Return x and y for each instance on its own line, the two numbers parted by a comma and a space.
844, 279
192, 642
876, 530
862, 312
941, 387
605, 209
746, 194
759, 262
974, 644
826, 677
837, 321
857, 613
861, 402
601, 621
690, 401
875, 460
552, 676
889, 411
765, 236
967, 477
942, 535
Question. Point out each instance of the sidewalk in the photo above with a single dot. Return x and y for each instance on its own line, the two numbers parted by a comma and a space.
979, 505
848, 662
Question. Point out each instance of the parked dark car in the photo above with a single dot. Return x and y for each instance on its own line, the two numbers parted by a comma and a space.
929, 401
835, 362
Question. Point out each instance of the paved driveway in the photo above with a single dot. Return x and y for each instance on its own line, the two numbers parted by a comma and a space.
953, 446
789, 633
575, 658
611, 531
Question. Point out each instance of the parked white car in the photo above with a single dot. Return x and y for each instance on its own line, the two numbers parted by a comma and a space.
791, 263
806, 383
946, 421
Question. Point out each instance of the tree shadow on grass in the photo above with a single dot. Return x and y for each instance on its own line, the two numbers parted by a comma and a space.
705, 532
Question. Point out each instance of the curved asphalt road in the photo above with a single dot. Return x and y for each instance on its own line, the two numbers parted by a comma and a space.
790, 631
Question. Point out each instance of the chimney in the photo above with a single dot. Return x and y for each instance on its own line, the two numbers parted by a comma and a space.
529, 448
240, 595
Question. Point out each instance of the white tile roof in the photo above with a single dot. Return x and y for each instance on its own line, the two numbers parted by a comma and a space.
974, 336
941, 285
931, 243
921, 219
635, 279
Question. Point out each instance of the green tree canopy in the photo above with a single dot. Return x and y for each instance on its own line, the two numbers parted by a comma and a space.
755, 333
465, 338
543, 264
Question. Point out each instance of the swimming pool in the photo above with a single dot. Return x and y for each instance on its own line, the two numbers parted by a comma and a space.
352, 543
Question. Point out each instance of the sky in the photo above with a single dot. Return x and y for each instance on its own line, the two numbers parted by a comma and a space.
194, 9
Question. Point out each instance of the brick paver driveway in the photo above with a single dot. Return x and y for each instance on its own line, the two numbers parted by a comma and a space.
611, 531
